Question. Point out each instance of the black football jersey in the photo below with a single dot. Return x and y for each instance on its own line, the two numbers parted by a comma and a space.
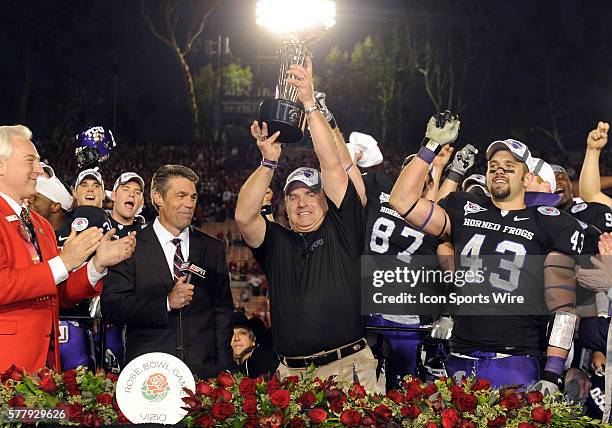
516, 243
593, 213
80, 219
387, 232
122, 230
595, 218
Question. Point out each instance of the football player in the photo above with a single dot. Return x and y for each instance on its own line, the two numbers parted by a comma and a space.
128, 200
503, 348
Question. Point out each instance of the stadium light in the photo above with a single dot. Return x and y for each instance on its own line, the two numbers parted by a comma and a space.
287, 17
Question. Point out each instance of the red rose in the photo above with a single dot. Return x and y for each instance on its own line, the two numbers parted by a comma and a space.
430, 389
512, 401
203, 388
481, 384
69, 376
395, 396
247, 387
17, 401
368, 421
307, 399
332, 394
467, 403
456, 390
272, 385
499, 421
337, 405
526, 425
222, 410
121, 418
383, 411
112, 376
290, 380
466, 424
357, 391
74, 390
541, 415
413, 390
91, 420
75, 412
225, 379
534, 397
205, 420
431, 424
450, 417
296, 422
47, 384
317, 416
14, 373
280, 398
350, 418
223, 394
104, 399
252, 422
411, 411
250, 406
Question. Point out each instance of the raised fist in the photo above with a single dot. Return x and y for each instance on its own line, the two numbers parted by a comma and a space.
443, 128
464, 160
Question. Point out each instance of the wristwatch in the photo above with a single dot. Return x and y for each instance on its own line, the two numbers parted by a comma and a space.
310, 109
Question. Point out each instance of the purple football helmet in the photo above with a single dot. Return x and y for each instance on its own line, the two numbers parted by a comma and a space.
94, 146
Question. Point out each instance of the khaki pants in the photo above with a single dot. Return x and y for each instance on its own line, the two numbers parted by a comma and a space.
365, 367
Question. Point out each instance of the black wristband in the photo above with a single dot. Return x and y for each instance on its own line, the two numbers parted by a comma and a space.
332, 123
552, 378
266, 209
454, 176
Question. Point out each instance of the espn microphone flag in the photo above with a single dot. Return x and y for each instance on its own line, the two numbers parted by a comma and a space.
192, 268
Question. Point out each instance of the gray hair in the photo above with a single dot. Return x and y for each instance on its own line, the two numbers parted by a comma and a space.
7, 133
161, 178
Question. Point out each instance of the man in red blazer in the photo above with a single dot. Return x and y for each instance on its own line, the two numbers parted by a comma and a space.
35, 277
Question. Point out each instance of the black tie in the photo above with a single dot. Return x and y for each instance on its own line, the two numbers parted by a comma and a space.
178, 259
27, 221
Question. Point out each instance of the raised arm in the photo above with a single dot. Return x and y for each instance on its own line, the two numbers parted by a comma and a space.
438, 165
333, 175
248, 207
463, 161
590, 186
349, 164
406, 197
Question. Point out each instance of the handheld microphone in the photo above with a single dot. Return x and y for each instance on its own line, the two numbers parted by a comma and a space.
190, 268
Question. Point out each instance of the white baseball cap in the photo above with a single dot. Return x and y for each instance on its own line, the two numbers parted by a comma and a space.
129, 176
519, 150
53, 189
543, 170
89, 173
308, 176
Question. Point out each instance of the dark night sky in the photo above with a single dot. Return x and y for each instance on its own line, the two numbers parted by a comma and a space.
79, 40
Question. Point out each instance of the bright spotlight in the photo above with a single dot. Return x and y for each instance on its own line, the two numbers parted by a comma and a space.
285, 17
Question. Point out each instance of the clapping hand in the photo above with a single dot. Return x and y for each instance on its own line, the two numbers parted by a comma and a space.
113, 251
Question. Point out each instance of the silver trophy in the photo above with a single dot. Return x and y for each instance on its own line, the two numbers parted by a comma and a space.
284, 112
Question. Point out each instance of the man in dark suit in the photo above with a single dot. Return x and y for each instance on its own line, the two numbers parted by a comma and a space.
163, 309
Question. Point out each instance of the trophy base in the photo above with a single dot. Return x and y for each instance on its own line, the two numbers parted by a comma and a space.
284, 116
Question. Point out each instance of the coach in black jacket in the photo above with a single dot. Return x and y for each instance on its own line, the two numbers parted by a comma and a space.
163, 310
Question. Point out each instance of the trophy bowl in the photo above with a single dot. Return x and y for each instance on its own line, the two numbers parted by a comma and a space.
285, 116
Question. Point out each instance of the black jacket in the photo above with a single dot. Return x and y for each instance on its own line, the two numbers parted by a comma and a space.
135, 294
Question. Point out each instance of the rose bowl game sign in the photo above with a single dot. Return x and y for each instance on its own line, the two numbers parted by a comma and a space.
150, 388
